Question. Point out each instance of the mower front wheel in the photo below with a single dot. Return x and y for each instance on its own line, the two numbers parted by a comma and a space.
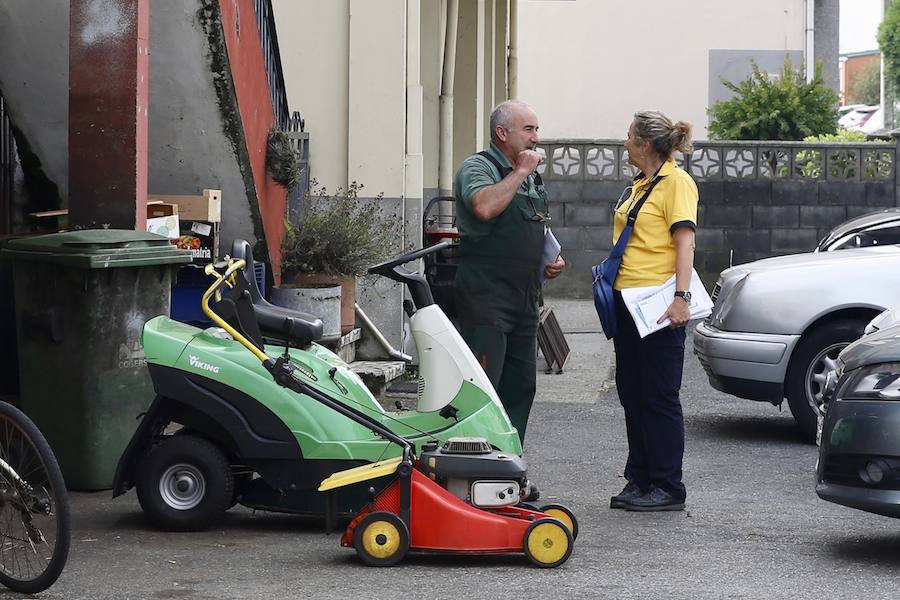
548, 543
185, 483
381, 539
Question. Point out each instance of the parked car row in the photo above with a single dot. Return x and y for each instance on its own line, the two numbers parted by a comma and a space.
779, 324
813, 328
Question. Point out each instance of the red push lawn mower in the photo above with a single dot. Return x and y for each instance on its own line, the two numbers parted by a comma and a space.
461, 498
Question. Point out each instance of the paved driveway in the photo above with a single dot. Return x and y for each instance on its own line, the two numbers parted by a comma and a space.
753, 529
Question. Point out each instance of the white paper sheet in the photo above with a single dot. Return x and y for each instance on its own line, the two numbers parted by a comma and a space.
648, 304
552, 250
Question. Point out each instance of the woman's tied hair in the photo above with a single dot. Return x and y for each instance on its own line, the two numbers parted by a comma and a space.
664, 136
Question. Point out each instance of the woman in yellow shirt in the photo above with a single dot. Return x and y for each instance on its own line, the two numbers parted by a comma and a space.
648, 370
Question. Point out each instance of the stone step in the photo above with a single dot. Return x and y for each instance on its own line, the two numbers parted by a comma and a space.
376, 374
345, 345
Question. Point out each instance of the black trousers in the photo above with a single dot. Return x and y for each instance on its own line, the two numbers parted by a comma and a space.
648, 378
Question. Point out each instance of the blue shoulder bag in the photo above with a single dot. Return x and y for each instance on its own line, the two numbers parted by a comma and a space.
605, 273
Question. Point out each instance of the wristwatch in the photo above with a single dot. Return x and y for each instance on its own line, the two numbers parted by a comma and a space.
684, 294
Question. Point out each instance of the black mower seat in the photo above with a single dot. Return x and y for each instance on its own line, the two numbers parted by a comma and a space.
272, 320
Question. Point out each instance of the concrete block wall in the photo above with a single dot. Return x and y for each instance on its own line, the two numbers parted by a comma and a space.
745, 212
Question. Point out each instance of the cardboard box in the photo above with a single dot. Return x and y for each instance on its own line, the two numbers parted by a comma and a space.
157, 208
162, 219
206, 207
201, 238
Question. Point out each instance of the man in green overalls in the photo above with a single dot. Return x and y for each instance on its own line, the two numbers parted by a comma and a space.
502, 215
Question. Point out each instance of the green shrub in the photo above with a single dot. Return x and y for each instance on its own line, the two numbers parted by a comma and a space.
785, 107
842, 135
340, 234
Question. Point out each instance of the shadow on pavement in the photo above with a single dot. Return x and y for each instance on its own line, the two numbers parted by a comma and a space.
881, 549
744, 428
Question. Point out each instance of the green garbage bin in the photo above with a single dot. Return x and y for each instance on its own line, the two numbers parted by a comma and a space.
81, 299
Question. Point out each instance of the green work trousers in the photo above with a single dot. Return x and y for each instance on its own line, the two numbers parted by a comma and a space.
509, 361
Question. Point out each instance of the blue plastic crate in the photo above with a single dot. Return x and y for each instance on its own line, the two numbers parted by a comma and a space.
190, 284
259, 271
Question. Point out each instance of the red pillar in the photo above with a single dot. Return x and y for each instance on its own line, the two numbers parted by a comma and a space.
109, 90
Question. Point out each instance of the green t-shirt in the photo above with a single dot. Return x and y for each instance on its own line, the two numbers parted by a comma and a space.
477, 172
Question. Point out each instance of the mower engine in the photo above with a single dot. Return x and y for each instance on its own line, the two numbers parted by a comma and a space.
476, 473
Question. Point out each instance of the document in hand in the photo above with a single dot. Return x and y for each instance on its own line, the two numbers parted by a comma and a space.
647, 304
552, 250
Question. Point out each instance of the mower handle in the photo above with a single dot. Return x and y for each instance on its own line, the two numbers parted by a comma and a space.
418, 286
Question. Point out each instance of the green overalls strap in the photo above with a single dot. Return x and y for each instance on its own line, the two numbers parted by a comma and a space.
497, 285
497, 282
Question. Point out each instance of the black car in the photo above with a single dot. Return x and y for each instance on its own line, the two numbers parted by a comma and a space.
859, 449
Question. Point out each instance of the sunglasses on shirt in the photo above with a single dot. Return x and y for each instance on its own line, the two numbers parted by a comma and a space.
539, 217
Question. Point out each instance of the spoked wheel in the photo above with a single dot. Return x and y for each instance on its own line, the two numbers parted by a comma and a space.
563, 514
185, 483
381, 539
34, 507
548, 543
815, 355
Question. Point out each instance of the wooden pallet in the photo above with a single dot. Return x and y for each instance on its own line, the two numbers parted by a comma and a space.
551, 341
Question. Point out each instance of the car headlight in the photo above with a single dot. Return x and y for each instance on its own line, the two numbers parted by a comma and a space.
875, 382
725, 302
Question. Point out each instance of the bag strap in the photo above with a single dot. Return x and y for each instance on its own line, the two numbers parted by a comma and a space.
504, 171
619, 249
633, 213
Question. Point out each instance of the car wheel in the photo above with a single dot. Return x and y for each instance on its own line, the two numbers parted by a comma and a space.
815, 355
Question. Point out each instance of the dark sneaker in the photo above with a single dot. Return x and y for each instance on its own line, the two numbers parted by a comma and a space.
655, 500
629, 492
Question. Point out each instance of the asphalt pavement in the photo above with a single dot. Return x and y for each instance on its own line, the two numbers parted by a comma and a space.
753, 527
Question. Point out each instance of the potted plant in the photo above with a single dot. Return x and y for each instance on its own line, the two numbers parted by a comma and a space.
338, 239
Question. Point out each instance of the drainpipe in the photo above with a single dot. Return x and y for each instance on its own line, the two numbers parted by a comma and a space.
512, 78
810, 40
445, 148
413, 169
479, 73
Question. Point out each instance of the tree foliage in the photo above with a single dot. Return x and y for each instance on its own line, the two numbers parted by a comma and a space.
783, 107
889, 44
867, 86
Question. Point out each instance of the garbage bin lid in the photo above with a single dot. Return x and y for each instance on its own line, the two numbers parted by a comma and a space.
98, 249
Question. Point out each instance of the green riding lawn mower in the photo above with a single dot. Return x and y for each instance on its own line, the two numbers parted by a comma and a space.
222, 430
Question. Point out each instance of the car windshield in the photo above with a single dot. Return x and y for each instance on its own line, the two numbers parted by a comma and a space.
887, 233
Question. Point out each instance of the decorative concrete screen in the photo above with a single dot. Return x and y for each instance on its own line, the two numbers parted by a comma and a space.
757, 199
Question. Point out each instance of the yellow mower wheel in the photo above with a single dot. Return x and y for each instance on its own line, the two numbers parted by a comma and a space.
548, 543
564, 514
381, 539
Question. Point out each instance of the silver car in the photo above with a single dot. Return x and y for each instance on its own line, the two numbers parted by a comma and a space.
779, 324
877, 228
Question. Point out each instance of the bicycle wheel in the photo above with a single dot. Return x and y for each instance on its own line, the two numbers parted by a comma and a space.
34, 507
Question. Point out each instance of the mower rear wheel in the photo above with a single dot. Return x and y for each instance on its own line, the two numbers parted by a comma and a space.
564, 514
185, 483
381, 539
548, 543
